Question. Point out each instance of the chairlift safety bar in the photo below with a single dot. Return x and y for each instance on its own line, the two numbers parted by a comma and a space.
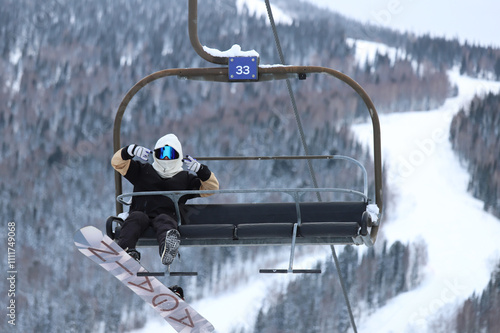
296, 194
308, 157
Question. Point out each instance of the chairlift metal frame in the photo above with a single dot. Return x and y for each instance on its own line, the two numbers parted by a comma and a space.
265, 73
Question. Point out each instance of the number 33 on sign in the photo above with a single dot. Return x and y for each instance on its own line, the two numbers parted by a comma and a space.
243, 68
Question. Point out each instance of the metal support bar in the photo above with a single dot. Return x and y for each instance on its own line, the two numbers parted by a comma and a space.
193, 36
150, 273
259, 158
170, 274
175, 198
294, 157
183, 273
292, 249
285, 271
344, 289
176, 194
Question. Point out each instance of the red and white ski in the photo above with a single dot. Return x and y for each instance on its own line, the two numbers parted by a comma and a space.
105, 252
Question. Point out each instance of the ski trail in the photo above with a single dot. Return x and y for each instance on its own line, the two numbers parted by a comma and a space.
431, 203
237, 309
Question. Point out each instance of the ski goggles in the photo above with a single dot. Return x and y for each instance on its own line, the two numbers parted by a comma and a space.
166, 153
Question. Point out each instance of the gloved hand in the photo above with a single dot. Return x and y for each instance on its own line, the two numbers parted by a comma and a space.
192, 164
139, 151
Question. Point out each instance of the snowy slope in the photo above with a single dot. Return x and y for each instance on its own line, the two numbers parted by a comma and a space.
432, 204
258, 9
445, 18
237, 308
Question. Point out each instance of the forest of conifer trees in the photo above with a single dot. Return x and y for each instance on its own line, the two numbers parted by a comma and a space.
64, 67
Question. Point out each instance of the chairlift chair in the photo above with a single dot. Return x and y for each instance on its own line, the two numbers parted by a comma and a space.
285, 223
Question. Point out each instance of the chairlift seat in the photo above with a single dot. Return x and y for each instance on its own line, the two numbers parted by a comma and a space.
261, 224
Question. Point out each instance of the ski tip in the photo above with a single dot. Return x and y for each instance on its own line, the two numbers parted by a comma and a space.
85, 233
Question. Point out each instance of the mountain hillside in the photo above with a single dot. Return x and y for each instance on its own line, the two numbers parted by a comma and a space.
479, 313
64, 68
476, 137
432, 204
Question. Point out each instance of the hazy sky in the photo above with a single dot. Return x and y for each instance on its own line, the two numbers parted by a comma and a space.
476, 21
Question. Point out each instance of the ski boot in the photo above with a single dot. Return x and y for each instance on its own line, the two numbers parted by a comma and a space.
178, 291
170, 247
134, 254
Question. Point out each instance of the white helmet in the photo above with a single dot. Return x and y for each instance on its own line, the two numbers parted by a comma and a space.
171, 163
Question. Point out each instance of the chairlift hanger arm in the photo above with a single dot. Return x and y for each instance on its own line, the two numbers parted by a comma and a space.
193, 36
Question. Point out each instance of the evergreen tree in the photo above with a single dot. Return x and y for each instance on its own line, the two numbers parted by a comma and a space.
497, 68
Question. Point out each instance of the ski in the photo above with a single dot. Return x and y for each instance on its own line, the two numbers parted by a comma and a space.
104, 251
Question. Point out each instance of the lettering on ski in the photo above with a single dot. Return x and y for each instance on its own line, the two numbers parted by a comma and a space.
150, 287
155, 303
181, 320
104, 251
95, 251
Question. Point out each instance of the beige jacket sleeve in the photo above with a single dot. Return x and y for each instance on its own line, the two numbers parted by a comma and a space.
119, 164
210, 184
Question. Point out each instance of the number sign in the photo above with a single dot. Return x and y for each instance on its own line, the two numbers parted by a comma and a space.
243, 68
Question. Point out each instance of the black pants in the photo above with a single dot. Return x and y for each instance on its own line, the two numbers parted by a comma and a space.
137, 222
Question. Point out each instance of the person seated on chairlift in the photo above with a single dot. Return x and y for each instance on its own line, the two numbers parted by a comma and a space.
164, 174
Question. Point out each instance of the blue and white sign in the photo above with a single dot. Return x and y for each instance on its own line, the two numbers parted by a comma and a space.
243, 68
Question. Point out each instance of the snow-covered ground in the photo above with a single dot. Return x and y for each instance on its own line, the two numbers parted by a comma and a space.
432, 204
471, 21
258, 9
238, 307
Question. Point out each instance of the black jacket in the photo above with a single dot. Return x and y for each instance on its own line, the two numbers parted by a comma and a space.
145, 178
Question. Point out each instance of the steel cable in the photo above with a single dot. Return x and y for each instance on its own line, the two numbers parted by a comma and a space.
306, 152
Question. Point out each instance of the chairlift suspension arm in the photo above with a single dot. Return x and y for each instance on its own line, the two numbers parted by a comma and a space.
193, 36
